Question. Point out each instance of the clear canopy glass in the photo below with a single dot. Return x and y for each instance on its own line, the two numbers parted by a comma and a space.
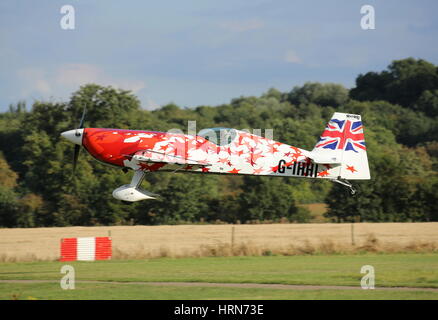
220, 135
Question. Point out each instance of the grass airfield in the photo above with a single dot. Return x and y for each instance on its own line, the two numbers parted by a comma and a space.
397, 276
179, 241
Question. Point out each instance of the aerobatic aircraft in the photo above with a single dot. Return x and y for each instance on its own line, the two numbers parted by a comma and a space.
339, 155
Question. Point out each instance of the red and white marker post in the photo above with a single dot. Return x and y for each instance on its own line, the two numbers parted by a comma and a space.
86, 249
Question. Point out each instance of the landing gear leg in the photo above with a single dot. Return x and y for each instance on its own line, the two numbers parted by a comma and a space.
137, 179
132, 192
347, 184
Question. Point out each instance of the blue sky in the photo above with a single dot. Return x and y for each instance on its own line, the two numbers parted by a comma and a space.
200, 52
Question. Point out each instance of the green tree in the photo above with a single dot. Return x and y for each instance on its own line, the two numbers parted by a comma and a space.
394, 192
403, 83
107, 107
9, 207
428, 103
266, 198
398, 107
323, 94
186, 198
8, 178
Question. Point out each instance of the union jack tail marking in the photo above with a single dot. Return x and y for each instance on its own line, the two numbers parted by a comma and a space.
344, 135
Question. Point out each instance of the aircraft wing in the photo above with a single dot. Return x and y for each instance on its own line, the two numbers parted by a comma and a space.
161, 157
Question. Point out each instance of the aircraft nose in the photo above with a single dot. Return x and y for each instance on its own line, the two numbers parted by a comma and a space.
74, 135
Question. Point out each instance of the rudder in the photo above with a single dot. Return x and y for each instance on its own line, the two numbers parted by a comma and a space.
342, 144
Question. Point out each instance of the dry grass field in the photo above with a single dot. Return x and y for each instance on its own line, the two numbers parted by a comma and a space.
137, 242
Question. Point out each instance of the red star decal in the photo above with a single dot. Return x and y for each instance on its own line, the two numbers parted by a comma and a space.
288, 164
274, 169
296, 155
225, 149
164, 148
144, 166
204, 169
234, 171
250, 161
152, 167
147, 154
351, 168
256, 156
100, 137
188, 167
239, 153
256, 139
156, 166
248, 145
287, 154
202, 161
204, 146
257, 171
323, 173
272, 148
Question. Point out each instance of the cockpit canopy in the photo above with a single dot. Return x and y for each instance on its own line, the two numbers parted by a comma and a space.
220, 136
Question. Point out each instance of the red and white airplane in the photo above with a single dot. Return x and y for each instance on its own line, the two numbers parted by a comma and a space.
340, 154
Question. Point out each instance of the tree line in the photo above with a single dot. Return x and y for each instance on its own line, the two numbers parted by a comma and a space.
399, 108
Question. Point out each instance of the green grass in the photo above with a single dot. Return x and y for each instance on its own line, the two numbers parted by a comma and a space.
410, 270
87, 291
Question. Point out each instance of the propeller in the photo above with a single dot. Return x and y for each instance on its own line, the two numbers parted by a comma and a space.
77, 134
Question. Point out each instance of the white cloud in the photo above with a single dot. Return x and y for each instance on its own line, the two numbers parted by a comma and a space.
292, 57
67, 78
79, 74
34, 80
242, 26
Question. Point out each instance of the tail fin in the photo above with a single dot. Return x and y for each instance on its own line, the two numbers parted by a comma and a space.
342, 148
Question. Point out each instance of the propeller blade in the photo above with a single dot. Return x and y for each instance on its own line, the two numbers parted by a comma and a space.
81, 123
78, 147
76, 156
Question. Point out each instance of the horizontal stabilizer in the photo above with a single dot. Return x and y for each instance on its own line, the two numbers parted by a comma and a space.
325, 159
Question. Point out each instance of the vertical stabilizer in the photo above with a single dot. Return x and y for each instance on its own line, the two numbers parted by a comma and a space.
343, 144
